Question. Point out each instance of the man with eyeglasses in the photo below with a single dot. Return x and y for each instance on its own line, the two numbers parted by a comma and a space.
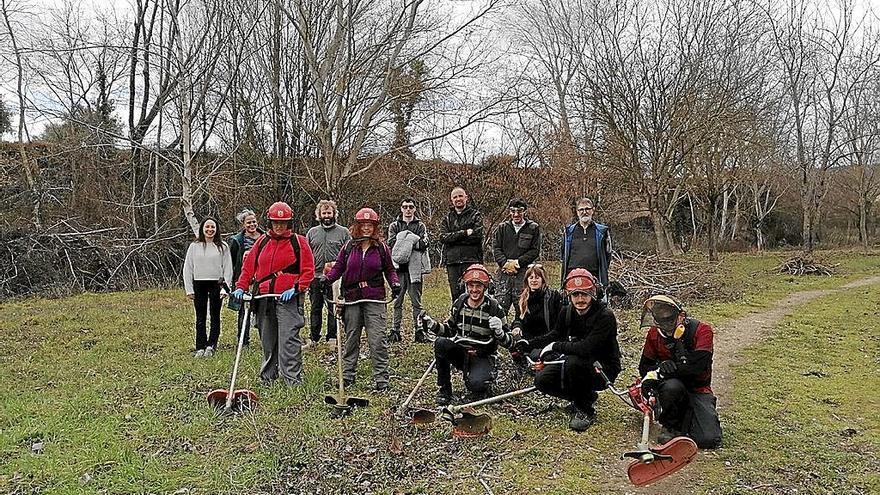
515, 245
587, 244
461, 233
408, 240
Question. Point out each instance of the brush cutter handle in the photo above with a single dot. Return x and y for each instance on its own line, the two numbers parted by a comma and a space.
465, 340
539, 365
359, 301
248, 297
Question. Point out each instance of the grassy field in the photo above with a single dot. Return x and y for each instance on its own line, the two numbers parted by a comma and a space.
106, 384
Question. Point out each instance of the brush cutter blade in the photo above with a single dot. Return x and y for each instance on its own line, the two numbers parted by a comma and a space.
242, 400
336, 400
676, 454
422, 417
469, 424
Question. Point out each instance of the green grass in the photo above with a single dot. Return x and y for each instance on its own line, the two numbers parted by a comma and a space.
107, 383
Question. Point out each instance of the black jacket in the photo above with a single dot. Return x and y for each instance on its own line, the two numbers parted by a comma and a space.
523, 246
543, 312
592, 336
458, 247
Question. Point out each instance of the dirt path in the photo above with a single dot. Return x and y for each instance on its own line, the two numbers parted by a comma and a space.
731, 339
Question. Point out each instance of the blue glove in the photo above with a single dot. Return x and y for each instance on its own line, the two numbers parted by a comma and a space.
237, 294
288, 295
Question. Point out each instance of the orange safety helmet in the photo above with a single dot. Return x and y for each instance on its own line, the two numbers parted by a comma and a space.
367, 215
580, 280
476, 273
280, 211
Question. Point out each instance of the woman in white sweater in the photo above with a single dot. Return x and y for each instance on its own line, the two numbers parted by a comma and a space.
207, 275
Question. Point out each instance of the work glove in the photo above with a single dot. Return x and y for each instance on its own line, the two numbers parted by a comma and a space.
288, 295
668, 368
650, 383
497, 326
509, 267
395, 291
547, 350
428, 323
522, 346
237, 294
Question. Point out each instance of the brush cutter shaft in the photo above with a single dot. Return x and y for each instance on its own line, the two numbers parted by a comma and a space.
359, 301
418, 385
248, 297
491, 400
244, 322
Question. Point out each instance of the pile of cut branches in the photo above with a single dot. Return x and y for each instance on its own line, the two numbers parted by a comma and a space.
806, 265
644, 275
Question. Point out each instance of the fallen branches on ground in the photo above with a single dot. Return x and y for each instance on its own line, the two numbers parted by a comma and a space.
806, 265
644, 275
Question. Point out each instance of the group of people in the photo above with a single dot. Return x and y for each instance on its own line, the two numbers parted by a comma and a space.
570, 328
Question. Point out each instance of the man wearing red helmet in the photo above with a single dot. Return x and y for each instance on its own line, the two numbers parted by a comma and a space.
469, 338
585, 331
280, 262
364, 264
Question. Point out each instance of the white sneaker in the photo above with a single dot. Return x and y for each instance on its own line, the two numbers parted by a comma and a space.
200, 353
209, 351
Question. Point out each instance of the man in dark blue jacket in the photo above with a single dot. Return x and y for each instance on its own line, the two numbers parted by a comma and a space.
587, 244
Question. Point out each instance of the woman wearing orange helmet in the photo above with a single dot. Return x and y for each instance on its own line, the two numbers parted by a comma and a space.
364, 264
280, 262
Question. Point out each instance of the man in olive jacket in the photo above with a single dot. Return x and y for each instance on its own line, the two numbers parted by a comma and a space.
516, 245
462, 238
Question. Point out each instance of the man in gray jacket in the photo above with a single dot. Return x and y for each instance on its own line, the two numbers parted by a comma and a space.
326, 240
408, 240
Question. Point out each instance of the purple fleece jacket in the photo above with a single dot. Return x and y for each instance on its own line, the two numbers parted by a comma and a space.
360, 267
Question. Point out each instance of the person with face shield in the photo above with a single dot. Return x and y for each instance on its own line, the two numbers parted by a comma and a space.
587, 244
585, 332
676, 366
326, 240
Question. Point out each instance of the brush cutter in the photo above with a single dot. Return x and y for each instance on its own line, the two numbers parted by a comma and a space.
232, 400
466, 421
651, 463
341, 403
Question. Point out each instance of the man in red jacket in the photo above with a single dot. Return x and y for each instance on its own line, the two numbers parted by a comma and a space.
676, 364
280, 262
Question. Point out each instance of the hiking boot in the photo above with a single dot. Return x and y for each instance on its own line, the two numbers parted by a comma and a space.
394, 336
444, 396
209, 351
200, 353
381, 387
667, 434
582, 419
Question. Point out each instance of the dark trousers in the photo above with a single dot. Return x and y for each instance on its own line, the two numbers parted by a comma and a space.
509, 289
319, 299
206, 291
479, 371
246, 325
575, 380
453, 274
672, 395
414, 289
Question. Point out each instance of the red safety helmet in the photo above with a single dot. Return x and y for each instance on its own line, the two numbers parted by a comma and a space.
580, 280
367, 215
280, 211
476, 273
